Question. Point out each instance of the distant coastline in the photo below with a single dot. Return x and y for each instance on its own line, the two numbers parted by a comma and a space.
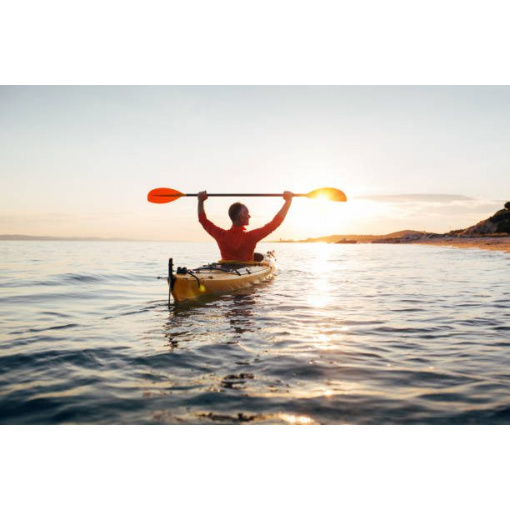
13, 237
491, 233
499, 242
351, 239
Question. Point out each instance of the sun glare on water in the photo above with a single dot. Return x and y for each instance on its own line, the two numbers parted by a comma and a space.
296, 419
320, 292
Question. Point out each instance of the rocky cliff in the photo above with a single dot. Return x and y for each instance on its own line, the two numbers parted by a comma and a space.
499, 223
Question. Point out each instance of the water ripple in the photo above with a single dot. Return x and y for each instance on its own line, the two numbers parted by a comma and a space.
372, 335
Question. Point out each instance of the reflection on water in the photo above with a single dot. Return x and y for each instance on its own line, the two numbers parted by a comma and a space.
322, 274
240, 314
344, 334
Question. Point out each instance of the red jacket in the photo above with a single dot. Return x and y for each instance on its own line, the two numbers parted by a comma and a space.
236, 243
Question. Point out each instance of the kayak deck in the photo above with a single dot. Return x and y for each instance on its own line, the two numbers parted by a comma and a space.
218, 277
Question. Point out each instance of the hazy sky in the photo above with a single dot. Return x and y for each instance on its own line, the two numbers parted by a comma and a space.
79, 161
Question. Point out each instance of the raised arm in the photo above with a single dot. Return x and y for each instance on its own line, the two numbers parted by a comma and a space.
209, 226
259, 233
202, 197
287, 196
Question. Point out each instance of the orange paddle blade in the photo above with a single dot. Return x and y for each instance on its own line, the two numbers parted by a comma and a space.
164, 195
333, 194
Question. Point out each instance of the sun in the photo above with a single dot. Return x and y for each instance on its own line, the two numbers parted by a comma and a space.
317, 218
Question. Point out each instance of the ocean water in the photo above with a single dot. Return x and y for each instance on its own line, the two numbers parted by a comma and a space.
345, 334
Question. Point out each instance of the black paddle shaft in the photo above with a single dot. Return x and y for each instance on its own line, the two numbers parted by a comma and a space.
241, 195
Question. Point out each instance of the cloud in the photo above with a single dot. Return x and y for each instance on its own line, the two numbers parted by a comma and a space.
417, 197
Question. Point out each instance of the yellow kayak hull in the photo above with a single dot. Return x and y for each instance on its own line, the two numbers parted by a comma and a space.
219, 278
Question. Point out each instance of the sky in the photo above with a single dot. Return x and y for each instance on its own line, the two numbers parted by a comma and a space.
80, 160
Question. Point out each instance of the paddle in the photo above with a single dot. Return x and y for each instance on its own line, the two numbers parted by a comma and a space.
165, 195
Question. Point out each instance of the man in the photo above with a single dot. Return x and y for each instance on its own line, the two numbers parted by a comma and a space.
236, 243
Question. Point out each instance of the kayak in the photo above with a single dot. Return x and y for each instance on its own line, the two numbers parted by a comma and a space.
218, 278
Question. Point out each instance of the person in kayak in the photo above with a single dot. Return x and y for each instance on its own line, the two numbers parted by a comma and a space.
236, 243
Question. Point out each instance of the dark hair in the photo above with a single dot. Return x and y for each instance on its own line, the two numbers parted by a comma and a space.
234, 210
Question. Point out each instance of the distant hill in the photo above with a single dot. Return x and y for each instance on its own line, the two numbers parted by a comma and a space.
498, 223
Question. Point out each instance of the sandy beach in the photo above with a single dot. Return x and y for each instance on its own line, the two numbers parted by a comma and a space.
483, 243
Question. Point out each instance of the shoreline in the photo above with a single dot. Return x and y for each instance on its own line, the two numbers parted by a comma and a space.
482, 243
